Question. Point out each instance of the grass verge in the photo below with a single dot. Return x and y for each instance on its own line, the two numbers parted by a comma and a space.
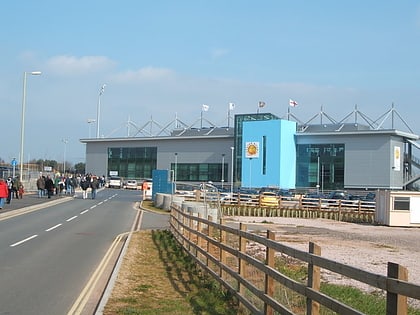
157, 277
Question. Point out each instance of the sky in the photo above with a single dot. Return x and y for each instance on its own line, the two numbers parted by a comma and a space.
162, 60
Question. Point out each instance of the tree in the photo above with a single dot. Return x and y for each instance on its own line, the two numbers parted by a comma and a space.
80, 168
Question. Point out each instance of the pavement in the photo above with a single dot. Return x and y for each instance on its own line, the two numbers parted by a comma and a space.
30, 201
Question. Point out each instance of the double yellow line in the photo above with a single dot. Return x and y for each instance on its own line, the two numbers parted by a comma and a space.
81, 302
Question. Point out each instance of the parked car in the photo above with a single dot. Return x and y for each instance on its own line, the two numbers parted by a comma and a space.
115, 182
269, 199
285, 194
131, 184
370, 196
339, 194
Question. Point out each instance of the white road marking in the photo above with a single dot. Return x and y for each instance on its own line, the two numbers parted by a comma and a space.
84, 211
100, 203
23, 241
53, 227
94, 206
72, 218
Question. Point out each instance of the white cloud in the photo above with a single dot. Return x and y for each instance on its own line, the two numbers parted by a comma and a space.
219, 52
144, 74
78, 65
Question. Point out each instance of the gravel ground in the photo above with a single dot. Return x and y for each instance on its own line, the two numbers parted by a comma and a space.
366, 247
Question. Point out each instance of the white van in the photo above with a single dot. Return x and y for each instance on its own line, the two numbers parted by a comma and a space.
115, 182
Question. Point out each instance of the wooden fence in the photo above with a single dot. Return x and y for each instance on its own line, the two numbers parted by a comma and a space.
297, 207
225, 253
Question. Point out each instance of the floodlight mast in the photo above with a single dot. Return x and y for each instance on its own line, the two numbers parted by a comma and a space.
22, 126
98, 110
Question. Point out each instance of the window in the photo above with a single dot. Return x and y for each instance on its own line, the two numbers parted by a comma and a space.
402, 203
200, 172
132, 162
320, 164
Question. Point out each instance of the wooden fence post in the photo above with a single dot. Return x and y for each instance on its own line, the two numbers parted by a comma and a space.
222, 254
242, 266
269, 281
314, 280
396, 304
199, 229
209, 234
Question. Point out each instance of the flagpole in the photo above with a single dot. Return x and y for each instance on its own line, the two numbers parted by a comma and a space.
201, 124
288, 112
228, 114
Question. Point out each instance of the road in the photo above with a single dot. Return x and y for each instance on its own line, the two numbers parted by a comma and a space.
47, 256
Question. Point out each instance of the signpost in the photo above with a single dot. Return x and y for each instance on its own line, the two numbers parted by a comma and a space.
14, 163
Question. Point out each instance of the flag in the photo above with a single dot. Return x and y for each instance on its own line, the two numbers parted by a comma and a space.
293, 103
261, 104
205, 108
231, 106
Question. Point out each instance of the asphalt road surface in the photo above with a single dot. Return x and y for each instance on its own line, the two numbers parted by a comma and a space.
47, 256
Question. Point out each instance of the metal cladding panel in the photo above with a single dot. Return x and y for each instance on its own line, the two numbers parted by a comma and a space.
274, 163
368, 158
188, 149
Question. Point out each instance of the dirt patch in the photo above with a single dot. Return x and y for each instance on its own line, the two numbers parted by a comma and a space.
366, 247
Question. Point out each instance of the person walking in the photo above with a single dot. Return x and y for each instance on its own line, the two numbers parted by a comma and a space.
84, 184
94, 185
21, 190
15, 187
4, 192
49, 186
40, 185
9, 184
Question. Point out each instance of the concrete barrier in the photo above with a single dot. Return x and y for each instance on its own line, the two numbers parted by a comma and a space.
164, 201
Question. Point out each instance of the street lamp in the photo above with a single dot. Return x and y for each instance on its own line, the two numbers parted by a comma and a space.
65, 141
22, 125
223, 169
231, 172
176, 166
98, 110
317, 175
90, 121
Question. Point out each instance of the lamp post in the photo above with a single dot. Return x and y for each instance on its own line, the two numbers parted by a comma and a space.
317, 175
65, 141
22, 125
176, 166
223, 169
98, 110
231, 172
90, 121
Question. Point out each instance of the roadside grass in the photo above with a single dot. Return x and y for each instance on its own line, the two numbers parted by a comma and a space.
157, 277
368, 303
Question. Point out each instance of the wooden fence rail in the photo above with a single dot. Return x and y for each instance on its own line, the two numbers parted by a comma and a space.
223, 252
296, 207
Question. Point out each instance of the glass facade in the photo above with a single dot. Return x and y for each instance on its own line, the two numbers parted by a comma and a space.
200, 172
132, 162
320, 164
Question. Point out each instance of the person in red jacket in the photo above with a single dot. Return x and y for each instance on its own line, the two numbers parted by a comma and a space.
4, 192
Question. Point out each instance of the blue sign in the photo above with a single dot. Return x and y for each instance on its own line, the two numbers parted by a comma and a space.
14, 162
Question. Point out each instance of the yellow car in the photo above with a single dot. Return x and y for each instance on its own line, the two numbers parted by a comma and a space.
269, 199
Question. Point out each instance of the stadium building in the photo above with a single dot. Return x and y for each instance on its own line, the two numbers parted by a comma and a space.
262, 149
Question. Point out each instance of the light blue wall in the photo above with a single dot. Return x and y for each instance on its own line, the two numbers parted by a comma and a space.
280, 156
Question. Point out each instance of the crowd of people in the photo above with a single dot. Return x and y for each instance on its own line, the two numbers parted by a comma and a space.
9, 189
50, 185
67, 184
